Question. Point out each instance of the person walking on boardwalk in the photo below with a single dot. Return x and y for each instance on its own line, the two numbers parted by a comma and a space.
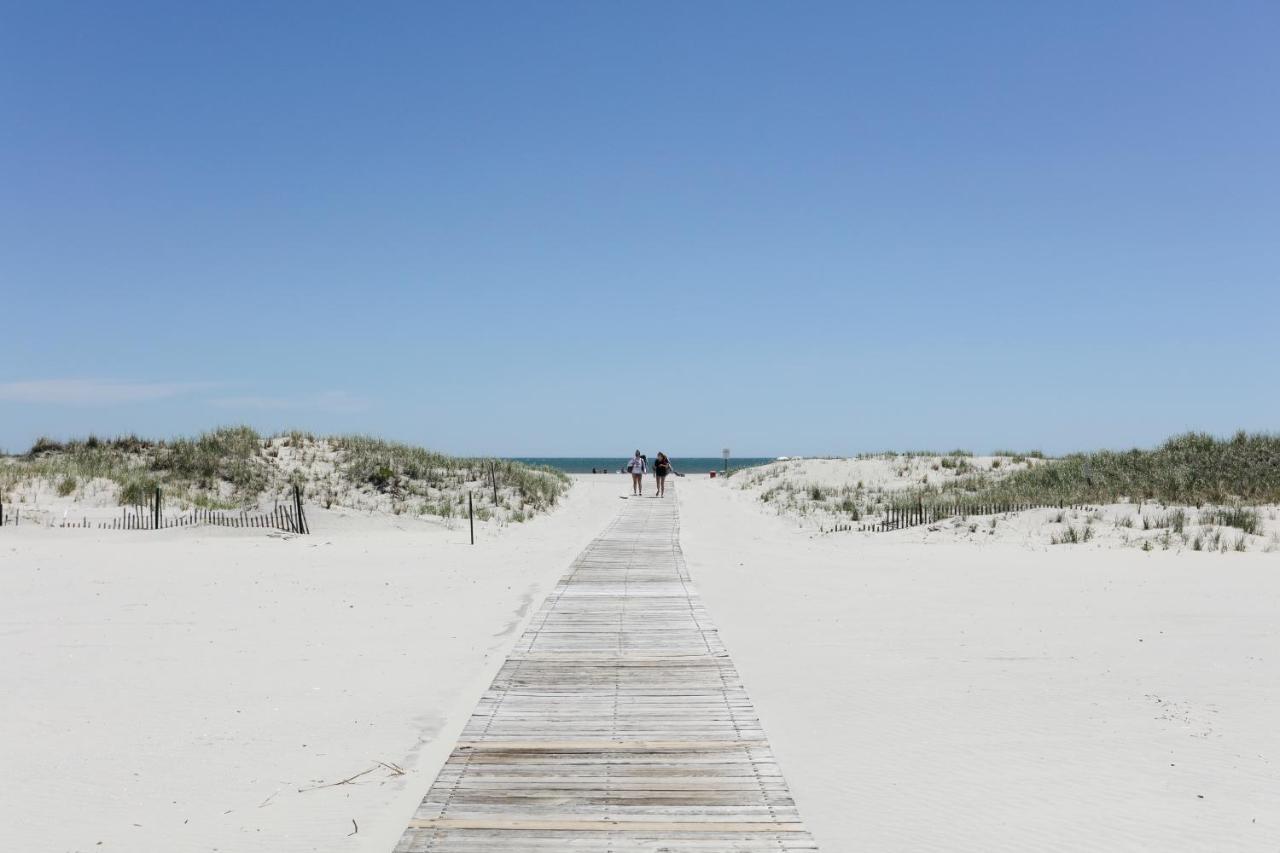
637, 469
661, 468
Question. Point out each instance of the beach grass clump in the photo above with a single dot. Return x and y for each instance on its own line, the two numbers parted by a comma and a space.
1175, 520
1243, 518
894, 454
1072, 535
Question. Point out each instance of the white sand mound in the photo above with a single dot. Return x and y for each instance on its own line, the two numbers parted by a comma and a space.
820, 495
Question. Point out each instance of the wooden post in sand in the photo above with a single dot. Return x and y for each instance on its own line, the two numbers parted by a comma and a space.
493, 478
471, 518
299, 526
155, 520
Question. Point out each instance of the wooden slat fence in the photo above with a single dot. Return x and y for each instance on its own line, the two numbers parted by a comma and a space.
151, 516
902, 516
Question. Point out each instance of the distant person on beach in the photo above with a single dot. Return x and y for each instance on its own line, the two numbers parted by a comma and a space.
637, 468
661, 468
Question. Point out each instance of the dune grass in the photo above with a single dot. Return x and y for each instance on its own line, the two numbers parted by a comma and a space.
1191, 469
236, 466
410, 470
184, 466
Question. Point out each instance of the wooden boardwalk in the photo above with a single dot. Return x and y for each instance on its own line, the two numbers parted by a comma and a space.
617, 725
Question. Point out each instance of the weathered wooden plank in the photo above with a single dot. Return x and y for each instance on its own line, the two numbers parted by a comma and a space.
610, 825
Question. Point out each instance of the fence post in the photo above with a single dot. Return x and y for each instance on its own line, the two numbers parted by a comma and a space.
298, 526
156, 517
471, 517
493, 478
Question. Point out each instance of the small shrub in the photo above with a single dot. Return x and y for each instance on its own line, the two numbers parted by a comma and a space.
67, 486
44, 445
381, 478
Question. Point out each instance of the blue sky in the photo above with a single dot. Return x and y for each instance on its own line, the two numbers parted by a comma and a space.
572, 228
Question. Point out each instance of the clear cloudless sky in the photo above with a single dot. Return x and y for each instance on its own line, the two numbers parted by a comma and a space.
574, 228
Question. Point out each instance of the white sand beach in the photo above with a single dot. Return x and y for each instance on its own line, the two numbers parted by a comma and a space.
984, 695
173, 690
200, 690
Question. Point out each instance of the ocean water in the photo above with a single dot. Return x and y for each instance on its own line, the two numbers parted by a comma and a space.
683, 464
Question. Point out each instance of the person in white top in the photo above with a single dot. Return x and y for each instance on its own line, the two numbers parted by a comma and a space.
637, 469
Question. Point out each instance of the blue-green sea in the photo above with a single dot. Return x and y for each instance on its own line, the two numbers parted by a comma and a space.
605, 464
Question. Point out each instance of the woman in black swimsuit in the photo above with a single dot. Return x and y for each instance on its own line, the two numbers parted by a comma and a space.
661, 468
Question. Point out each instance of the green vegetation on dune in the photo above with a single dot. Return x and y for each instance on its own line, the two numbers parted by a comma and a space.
1223, 479
1193, 469
235, 466
187, 466
389, 465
